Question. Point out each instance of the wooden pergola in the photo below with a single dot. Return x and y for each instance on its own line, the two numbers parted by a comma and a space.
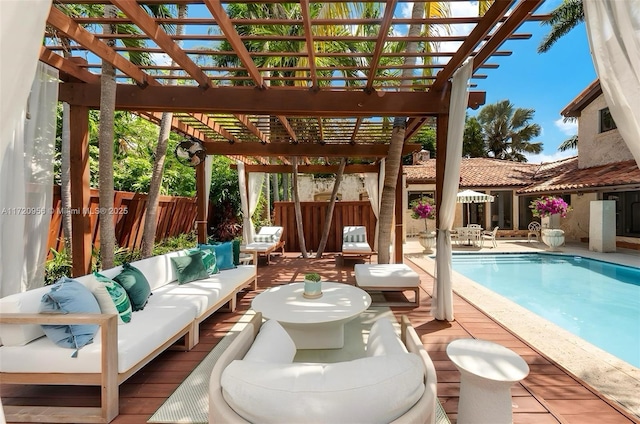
315, 101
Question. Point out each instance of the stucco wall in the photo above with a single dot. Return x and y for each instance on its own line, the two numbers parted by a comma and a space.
598, 148
351, 187
576, 224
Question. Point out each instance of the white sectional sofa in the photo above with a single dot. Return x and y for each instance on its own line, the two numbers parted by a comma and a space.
255, 380
173, 311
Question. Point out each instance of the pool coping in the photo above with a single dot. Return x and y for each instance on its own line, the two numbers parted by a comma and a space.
614, 378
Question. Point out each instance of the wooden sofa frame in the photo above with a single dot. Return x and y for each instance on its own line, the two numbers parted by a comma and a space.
109, 379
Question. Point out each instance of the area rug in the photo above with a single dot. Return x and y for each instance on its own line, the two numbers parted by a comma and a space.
190, 402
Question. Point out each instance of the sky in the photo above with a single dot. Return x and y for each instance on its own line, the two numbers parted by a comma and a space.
546, 82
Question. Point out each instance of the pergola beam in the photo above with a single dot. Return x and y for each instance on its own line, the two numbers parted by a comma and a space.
240, 100
305, 149
312, 169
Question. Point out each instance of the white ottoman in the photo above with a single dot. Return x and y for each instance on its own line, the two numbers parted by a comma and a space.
389, 277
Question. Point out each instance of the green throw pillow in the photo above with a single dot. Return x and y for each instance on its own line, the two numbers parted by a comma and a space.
189, 268
136, 285
236, 252
208, 259
118, 295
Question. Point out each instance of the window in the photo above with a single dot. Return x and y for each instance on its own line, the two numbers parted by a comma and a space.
627, 212
502, 209
606, 121
415, 195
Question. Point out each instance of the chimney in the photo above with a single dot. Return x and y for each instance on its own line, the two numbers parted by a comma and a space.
421, 156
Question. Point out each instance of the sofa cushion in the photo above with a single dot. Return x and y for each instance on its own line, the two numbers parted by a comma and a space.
69, 297
21, 303
383, 339
272, 344
136, 285
375, 389
190, 268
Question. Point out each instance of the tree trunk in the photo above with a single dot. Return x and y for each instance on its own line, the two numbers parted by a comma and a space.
105, 144
298, 210
332, 204
275, 188
394, 158
151, 215
65, 178
285, 187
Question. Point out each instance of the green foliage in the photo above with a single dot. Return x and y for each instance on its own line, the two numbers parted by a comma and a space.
565, 17
312, 276
472, 140
59, 266
182, 241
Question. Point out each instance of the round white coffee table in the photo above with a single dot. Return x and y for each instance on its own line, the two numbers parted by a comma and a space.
313, 323
488, 370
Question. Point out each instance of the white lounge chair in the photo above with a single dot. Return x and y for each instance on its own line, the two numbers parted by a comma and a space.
354, 243
267, 241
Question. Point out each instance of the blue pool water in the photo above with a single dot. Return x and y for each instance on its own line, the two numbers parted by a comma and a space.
595, 300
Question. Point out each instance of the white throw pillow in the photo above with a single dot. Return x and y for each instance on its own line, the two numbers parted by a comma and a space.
367, 390
21, 303
272, 344
383, 339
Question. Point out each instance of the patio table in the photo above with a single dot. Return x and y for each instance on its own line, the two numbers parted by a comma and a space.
470, 234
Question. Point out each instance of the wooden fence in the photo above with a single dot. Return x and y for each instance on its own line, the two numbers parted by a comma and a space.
176, 215
313, 216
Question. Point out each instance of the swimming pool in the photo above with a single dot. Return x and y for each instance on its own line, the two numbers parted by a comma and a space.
595, 300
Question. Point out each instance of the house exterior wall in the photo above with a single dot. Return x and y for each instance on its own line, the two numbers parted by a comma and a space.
576, 224
351, 187
598, 148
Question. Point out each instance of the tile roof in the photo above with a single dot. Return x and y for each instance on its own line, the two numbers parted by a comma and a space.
477, 172
564, 175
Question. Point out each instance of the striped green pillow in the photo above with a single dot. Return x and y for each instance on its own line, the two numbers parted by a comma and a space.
119, 297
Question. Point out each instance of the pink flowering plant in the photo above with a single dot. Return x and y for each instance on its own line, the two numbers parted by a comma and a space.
549, 205
423, 208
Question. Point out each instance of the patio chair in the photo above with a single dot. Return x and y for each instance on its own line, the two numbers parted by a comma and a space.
354, 243
267, 241
489, 235
534, 231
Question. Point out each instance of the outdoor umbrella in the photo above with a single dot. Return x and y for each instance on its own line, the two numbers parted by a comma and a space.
470, 196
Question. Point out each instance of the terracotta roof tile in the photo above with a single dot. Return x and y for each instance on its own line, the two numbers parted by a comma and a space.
477, 172
566, 176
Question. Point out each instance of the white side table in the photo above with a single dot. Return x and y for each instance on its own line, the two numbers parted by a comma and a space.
488, 370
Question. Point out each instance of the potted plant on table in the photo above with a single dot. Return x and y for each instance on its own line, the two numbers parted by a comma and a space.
312, 285
425, 209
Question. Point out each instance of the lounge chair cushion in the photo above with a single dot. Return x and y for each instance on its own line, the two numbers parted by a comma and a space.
375, 389
69, 297
272, 344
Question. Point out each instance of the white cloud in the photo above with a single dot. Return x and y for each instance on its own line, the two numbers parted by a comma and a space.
161, 58
567, 128
546, 158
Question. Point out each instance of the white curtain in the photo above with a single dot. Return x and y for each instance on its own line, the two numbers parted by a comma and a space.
24, 27
613, 28
255, 188
442, 304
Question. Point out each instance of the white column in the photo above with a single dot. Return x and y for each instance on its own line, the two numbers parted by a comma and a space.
602, 226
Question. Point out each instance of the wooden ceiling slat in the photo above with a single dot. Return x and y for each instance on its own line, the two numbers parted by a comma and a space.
305, 149
160, 37
244, 120
312, 169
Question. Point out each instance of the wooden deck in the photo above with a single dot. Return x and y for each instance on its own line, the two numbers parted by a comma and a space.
547, 395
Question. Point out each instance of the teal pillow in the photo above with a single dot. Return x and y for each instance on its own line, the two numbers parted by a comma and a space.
208, 258
68, 296
118, 295
189, 268
224, 255
136, 286
236, 252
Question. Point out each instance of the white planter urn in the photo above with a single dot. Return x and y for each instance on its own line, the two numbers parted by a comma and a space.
427, 241
553, 238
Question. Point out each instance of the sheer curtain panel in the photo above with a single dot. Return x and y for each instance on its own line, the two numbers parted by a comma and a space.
442, 291
24, 26
613, 28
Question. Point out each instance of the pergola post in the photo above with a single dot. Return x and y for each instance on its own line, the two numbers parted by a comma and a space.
201, 196
399, 213
80, 190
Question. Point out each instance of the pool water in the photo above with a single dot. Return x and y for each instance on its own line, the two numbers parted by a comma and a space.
595, 300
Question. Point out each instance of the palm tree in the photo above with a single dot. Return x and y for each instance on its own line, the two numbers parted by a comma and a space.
507, 131
394, 157
565, 17
151, 214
